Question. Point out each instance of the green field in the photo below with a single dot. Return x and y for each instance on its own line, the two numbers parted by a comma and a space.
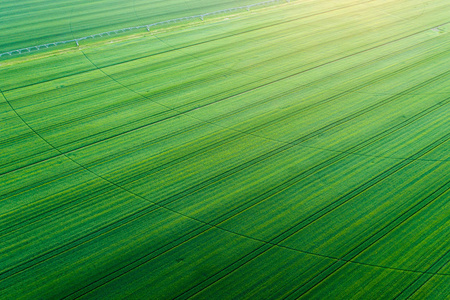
29, 23
296, 150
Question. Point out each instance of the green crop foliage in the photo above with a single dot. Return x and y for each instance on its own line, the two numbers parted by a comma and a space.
297, 150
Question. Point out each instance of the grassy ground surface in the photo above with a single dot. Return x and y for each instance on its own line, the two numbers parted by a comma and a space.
35, 22
294, 151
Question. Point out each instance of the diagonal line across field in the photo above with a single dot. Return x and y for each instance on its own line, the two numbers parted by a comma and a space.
122, 30
275, 241
298, 151
283, 236
419, 282
180, 111
197, 43
271, 242
295, 142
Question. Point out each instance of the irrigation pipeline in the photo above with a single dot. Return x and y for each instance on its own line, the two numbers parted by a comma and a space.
147, 27
275, 242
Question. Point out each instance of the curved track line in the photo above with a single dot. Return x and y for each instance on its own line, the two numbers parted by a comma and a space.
178, 112
213, 225
207, 224
319, 214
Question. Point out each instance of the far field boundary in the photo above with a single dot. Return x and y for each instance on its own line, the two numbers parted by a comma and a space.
147, 27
